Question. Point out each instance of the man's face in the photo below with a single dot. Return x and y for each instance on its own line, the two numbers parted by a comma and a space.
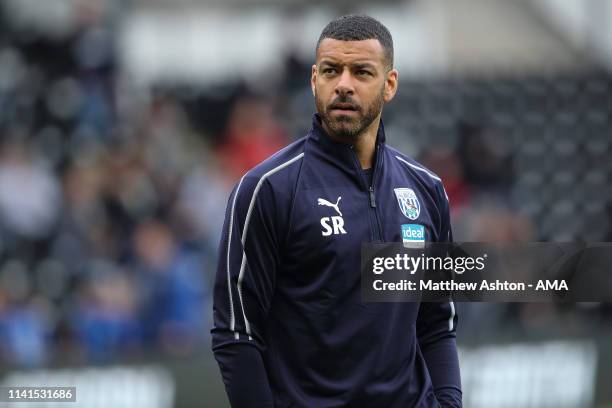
351, 82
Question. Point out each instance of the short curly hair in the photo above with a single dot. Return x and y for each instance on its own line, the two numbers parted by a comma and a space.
358, 28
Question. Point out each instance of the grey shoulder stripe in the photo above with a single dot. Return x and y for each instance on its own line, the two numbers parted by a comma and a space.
451, 320
229, 241
246, 229
258, 187
256, 191
418, 168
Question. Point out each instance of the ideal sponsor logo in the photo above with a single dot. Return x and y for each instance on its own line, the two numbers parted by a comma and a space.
413, 235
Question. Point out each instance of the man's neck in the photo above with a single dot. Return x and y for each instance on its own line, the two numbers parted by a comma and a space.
364, 144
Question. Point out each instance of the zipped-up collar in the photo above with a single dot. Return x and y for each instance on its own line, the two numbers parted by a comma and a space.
343, 155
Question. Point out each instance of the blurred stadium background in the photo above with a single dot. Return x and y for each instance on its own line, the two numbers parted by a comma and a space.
124, 123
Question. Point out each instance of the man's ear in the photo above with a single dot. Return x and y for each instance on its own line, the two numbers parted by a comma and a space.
391, 82
313, 78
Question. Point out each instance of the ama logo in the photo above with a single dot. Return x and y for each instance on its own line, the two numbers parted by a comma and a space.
334, 224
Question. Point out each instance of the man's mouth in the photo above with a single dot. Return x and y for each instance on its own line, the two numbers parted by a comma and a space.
344, 108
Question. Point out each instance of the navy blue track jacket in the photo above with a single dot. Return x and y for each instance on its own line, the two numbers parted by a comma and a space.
290, 329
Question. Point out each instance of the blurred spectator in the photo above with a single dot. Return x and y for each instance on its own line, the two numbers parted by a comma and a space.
106, 321
202, 201
447, 165
83, 227
24, 328
174, 292
30, 196
252, 135
486, 156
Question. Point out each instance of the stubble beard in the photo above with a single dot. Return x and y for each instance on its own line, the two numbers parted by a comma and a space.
345, 127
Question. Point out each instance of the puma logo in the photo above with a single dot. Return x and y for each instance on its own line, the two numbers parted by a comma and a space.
322, 201
334, 224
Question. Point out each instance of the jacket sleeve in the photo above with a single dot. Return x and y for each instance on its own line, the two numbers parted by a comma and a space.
436, 331
244, 285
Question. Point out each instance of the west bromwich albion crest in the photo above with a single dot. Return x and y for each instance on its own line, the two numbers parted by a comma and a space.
408, 202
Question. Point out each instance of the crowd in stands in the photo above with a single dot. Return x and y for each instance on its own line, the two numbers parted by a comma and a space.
111, 204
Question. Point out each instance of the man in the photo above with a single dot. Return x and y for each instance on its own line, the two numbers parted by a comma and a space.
290, 329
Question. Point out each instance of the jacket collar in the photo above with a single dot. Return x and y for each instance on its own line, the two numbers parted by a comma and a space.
342, 155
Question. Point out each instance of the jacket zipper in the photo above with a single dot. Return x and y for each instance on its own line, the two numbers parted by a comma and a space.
372, 192
375, 228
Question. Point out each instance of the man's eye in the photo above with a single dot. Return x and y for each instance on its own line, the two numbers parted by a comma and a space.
363, 72
329, 70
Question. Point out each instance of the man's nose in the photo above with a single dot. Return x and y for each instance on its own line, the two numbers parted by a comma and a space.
345, 84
